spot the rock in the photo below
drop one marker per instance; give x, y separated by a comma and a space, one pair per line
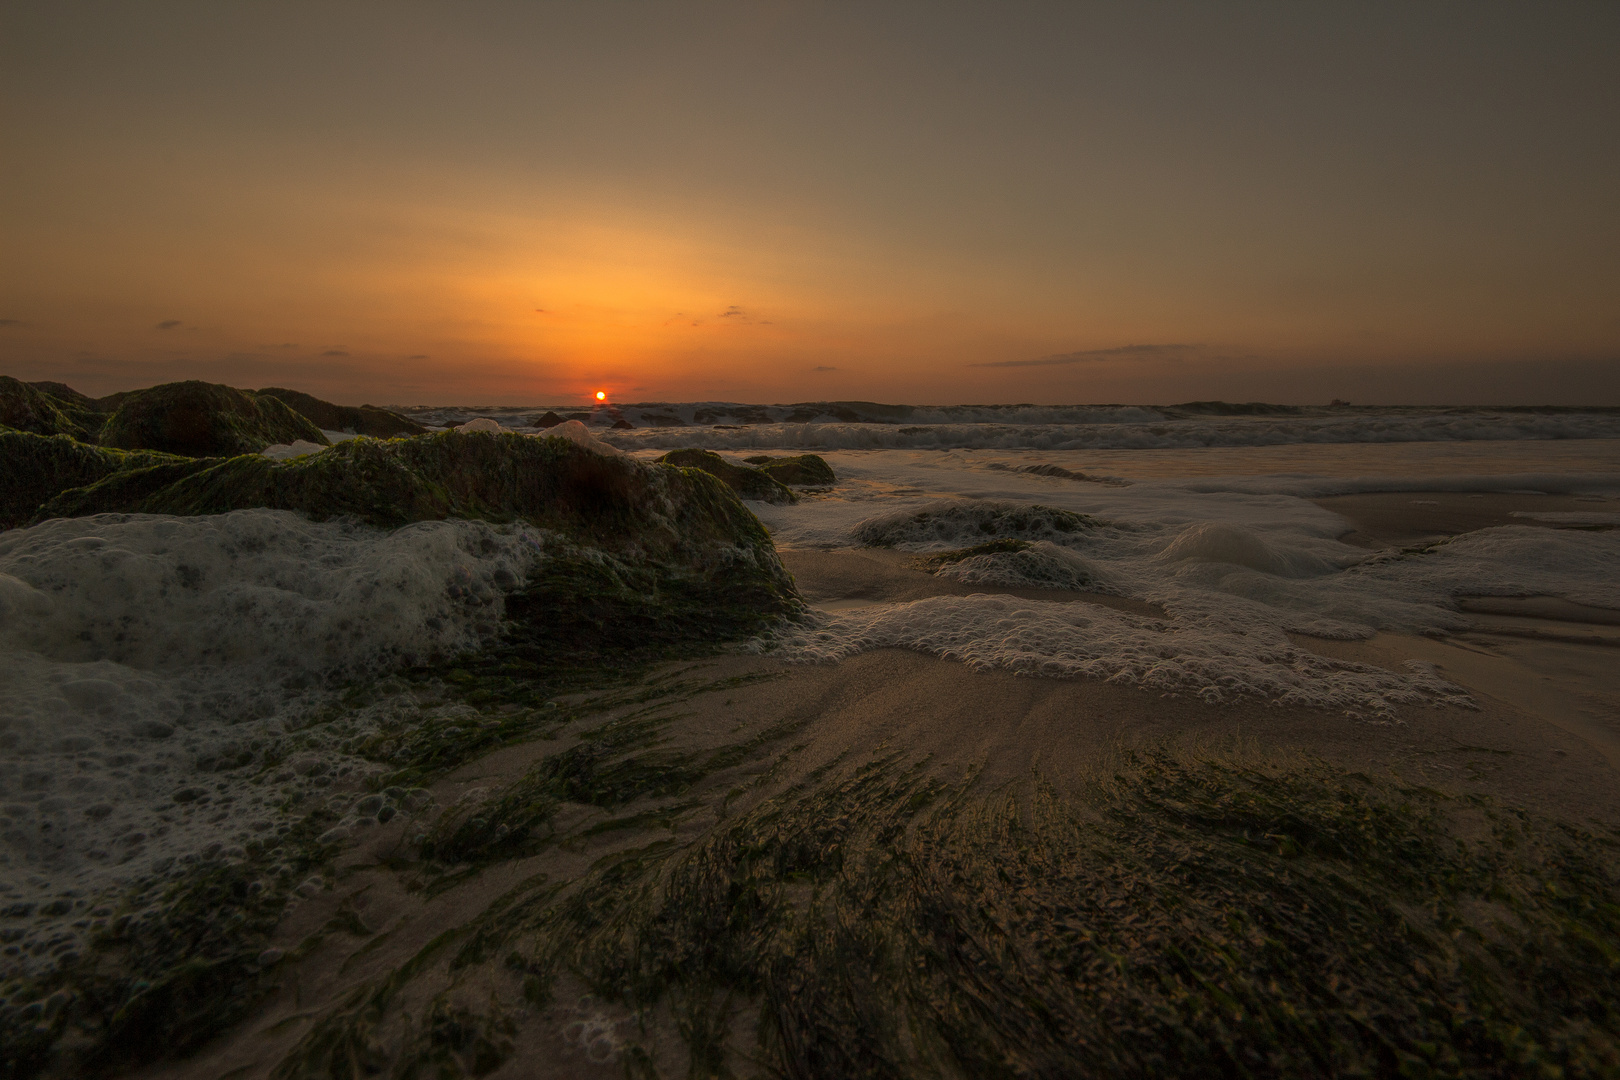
637, 554
549, 420
198, 419
270, 957
361, 420
747, 482
37, 468
621, 424
23, 407
804, 470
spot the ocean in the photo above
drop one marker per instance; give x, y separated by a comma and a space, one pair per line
144, 655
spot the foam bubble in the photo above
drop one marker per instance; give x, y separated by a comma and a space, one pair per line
1071, 640
140, 655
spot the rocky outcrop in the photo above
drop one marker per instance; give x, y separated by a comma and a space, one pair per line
199, 419
802, 470
357, 420
38, 468
25, 407
636, 554
747, 482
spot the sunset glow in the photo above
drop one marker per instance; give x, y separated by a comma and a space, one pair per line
777, 204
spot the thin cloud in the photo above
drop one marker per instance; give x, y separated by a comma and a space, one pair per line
823, 367
167, 324
1091, 356
10, 322
335, 352
417, 356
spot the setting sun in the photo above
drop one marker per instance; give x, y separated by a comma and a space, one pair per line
601, 395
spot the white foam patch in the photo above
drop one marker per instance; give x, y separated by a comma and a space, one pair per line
578, 433
296, 449
1072, 640
138, 651
484, 423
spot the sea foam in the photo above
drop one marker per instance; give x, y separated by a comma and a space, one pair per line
138, 652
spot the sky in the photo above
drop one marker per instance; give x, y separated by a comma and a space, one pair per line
515, 203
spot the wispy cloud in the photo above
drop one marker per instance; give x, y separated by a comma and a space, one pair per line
823, 367
10, 322
335, 352
417, 356
1091, 356
167, 324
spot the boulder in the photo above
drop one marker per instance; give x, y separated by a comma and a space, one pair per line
747, 482
24, 407
358, 420
549, 420
634, 554
38, 468
199, 419
802, 470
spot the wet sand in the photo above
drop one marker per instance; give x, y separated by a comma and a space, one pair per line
1545, 735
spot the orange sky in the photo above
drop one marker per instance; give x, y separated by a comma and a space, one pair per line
773, 202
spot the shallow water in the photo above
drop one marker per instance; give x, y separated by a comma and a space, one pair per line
139, 653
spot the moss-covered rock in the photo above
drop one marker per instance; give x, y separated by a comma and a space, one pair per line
801, 470
359, 420
36, 468
639, 554
24, 407
747, 482
199, 419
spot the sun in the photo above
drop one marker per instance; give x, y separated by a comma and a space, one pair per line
601, 395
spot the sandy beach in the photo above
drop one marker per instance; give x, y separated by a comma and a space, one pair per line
1544, 736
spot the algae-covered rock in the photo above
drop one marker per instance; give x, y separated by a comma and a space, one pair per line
747, 482
199, 419
36, 468
802, 470
360, 420
634, 547
24, 407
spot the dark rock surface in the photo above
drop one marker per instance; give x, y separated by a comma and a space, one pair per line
25, 407
199, 419
358, 420
802, 470
747, 482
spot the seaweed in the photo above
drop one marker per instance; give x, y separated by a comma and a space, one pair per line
748, 483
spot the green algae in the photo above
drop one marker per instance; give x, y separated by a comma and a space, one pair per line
1188, 918
25, 407
992, 520
1001, 546
199, 419
39, 468
748, 483
801, 470
175, 961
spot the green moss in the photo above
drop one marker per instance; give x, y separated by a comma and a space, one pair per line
362, 420
37, 468
179, 962
746, 482
802, 470
199, 419
24, 407
1002, 546
1190, 918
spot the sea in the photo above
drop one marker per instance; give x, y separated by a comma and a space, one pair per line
142, 657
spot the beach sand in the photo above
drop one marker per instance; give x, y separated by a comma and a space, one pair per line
1545, 736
